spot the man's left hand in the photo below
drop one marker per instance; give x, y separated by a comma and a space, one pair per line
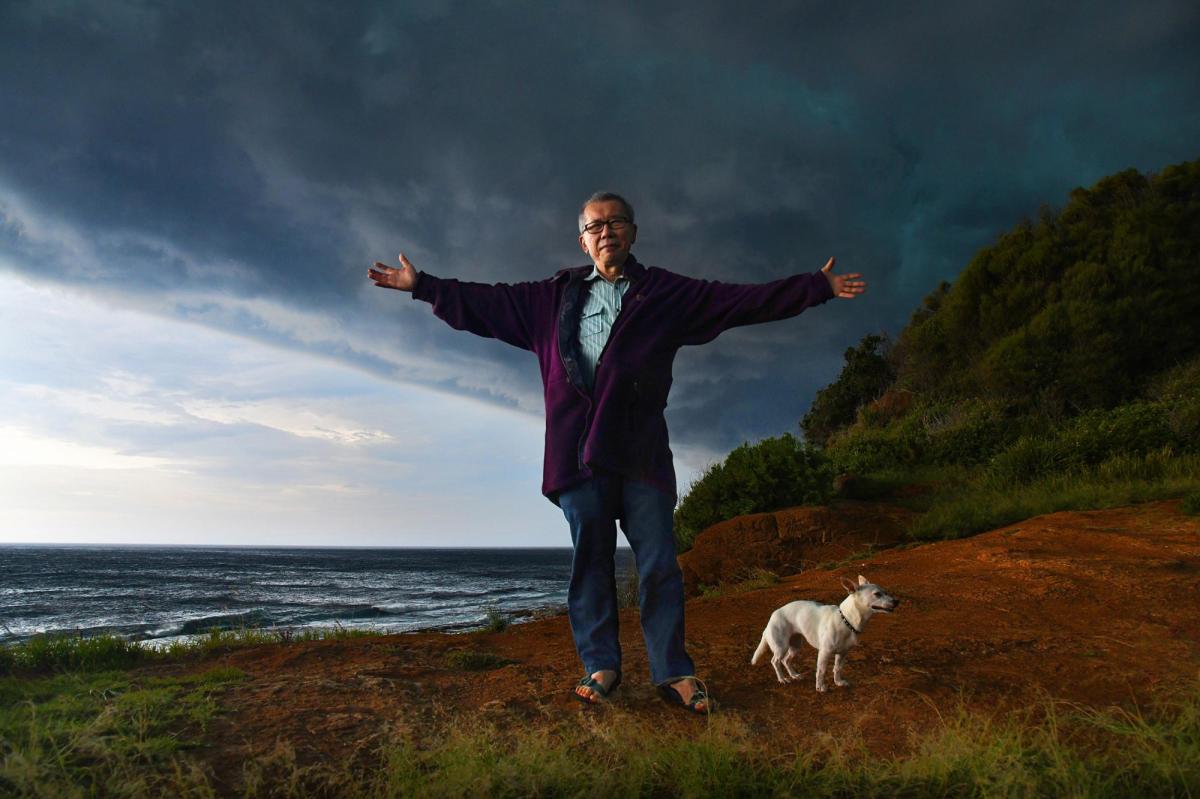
845, 286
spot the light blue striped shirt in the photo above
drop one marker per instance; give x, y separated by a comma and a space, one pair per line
596, 319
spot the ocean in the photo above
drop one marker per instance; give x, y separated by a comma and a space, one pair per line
160, 594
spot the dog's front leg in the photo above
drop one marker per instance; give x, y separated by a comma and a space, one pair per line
822, 667
838, 661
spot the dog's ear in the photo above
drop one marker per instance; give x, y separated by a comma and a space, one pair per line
862, 580
849, 586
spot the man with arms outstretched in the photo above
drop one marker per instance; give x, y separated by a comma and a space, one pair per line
605, 337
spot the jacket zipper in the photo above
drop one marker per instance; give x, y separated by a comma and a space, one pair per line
612, 333
566, 368
599, 359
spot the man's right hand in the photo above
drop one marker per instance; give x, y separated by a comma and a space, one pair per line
388, 277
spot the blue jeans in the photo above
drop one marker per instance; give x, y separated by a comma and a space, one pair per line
592, 509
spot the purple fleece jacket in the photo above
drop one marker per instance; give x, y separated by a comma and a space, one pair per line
619, 426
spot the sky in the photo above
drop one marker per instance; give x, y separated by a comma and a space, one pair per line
191, 194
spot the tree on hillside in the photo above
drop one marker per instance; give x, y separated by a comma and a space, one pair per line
924, 334
865, 375
1080, 308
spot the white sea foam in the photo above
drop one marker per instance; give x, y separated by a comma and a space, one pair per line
166, 594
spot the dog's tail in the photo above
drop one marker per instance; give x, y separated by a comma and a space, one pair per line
763, 648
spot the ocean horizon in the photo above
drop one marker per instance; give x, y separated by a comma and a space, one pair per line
159, 593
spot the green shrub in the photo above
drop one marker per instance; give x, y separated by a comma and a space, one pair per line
1183, 419
1132, 429
494, 619
932, 433
1128, 431
1178, 390
1191, 503
772, 474
984, 502
1027, 459
970, 432
1147, 468
863, 450
1181, 382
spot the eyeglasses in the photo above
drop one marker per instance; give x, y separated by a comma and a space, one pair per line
596, 225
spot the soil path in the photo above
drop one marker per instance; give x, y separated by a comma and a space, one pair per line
1096, 608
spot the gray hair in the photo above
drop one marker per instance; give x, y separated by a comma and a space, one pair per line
603, 197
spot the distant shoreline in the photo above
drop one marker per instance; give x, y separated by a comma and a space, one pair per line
153, 593
516, 616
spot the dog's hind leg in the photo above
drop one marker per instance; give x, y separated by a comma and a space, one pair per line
791, 655
838, 661
779, 653
775, 663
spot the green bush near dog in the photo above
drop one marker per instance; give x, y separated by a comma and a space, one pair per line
772, 474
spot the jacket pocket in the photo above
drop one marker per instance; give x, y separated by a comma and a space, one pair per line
593, 325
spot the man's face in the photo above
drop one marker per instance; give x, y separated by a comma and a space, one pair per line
607, 247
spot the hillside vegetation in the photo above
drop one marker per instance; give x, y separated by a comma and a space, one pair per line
1060, 369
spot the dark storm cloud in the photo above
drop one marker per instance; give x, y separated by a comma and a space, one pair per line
272, 151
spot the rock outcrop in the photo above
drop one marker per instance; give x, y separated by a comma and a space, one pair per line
789, 541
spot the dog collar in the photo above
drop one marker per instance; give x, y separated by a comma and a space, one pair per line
846, 622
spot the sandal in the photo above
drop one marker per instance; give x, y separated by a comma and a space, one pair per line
601, 694
673, 697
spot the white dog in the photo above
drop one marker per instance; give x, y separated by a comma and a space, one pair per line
831, 629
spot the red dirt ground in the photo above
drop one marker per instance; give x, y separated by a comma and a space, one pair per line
1096, 608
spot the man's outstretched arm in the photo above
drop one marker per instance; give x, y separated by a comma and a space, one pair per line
501, 311
708, 308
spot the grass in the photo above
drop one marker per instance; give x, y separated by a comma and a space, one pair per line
109, 734
978, 502
755, 579
1191, 503
118, 733
911, 487
46, 653
106, 733
60, 652
1055, 750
